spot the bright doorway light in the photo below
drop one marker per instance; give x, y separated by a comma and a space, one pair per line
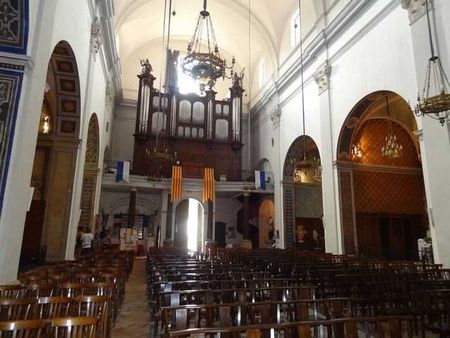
192, 225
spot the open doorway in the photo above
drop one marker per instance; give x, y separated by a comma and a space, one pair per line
189, 225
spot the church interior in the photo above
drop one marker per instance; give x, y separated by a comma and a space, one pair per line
238, 168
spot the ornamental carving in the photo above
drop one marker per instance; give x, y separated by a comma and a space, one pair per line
275, 116
322, 77
109, 95
96, 36
416, 9
92, 143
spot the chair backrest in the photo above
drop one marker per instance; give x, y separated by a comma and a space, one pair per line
16, 308
71, 289
52, 307
93, 306
74, 327
12, 291
21, 328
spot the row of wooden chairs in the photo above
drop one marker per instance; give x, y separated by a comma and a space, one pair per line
182, 289
67, 327
93, 286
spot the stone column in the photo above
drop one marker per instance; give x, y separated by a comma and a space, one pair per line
163, 216
331, 221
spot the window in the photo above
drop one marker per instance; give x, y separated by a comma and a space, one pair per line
186, 84
262, 73
295, 29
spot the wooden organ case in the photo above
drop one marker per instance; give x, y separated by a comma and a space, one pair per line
196, 131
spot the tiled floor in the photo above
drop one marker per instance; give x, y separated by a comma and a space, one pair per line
133, 320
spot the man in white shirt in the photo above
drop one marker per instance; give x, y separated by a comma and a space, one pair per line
86, 241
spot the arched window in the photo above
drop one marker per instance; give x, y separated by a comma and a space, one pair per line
295, 29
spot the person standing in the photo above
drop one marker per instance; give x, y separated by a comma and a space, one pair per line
86, 241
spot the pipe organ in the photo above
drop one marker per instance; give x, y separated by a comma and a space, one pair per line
196, 131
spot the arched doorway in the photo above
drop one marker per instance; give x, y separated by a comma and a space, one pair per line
382, 194
189, 225
266, 217
46, 225
302, 196
90, 175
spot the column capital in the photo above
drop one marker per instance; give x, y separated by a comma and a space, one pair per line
416, 9
96, 36
322, 77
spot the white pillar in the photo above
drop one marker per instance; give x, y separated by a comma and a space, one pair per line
331, 219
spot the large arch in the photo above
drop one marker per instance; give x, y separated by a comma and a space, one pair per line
90, 174
382, 194
47, 222
302, 195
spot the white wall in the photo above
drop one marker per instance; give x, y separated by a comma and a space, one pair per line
122, 134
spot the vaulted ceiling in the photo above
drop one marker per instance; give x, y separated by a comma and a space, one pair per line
139, 31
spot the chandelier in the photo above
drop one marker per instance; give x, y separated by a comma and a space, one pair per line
206, 66
391, 148
435, 100
357, 152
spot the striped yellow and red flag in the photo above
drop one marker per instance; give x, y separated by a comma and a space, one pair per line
177, 183
209, 185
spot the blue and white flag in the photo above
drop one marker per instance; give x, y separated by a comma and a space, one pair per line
260, 179
123, 171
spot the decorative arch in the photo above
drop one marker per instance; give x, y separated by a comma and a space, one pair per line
302, 194
372, 106
382, 198
90, 174
65, 85
47, 223
303, 147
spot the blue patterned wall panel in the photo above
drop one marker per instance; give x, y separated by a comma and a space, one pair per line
10, 88
13, 26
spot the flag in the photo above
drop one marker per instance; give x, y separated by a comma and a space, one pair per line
123, 171
260, 179
209, 185
177, 183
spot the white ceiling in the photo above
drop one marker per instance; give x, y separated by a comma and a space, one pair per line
139, 27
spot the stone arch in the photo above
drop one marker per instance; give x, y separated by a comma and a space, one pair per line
55, 158
302, 194
90, 175
382, 196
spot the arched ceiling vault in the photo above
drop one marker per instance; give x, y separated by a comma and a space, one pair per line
139, 22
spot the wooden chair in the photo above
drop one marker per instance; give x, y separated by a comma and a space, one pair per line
52, 307
22, 328
93, 306
37, 290
16, 308
73, 327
